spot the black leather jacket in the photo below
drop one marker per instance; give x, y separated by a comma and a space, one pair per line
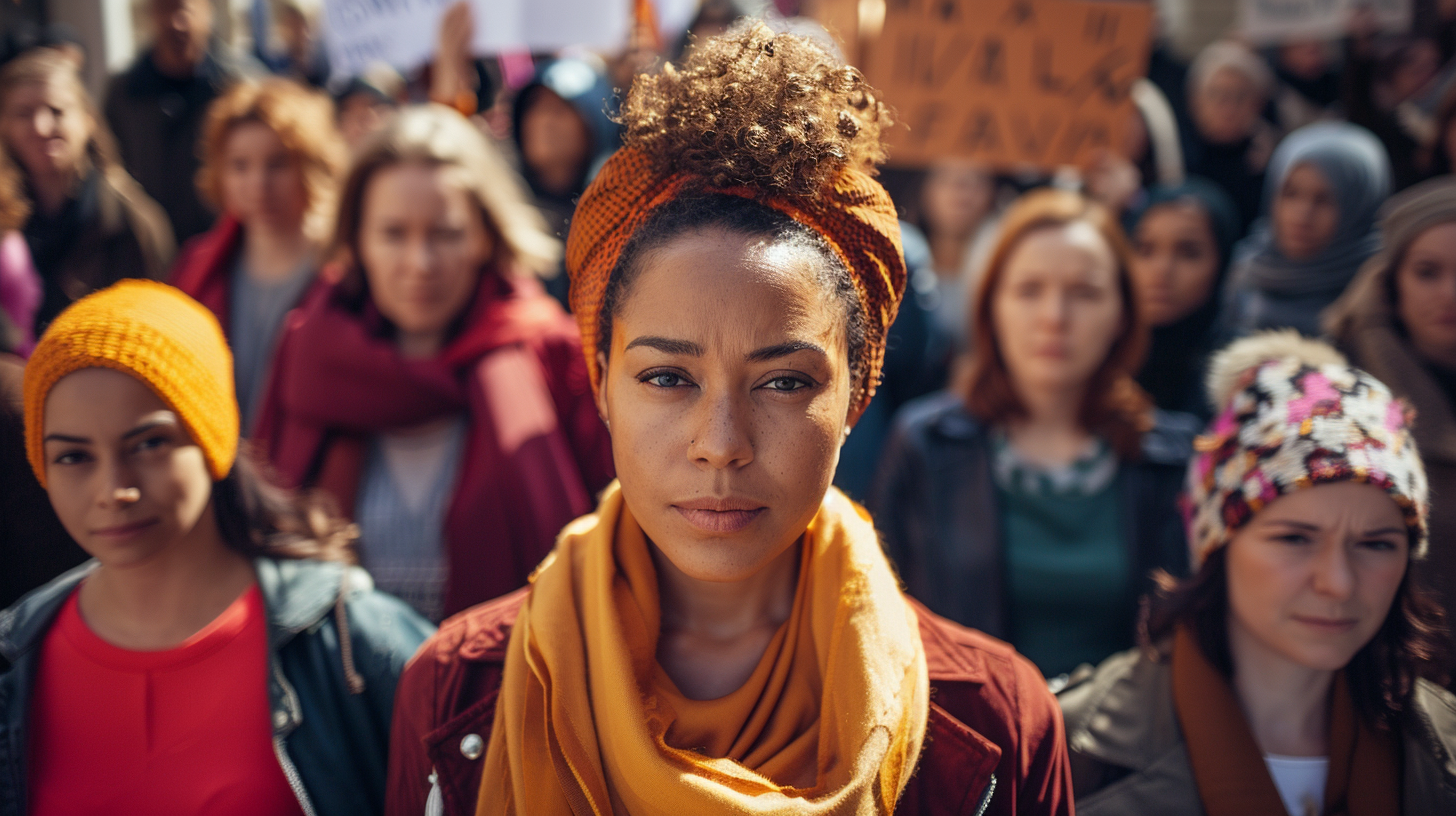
332, 740
935, 505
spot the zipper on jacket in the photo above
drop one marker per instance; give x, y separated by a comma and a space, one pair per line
986, 797
291, 774
290, 771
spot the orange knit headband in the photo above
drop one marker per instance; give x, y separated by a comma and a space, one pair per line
856, 218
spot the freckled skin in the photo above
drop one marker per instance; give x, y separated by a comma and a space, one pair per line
716, 425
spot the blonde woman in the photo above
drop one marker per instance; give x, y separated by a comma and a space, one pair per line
87, 223
436, 391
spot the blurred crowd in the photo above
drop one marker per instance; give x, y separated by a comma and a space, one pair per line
1026, 456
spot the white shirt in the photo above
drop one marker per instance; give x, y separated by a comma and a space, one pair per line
1301, 782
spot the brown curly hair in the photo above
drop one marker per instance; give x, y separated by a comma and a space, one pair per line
758, 109
302, 118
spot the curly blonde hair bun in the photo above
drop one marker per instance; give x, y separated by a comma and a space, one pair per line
759, 109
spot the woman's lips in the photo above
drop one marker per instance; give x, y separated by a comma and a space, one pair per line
1327, 624
123, 531
729, 515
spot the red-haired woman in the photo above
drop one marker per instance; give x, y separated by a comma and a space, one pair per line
1032, 501
271, 159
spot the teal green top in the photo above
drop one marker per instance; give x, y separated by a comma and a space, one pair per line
1068, 570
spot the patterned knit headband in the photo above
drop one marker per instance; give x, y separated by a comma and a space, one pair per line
1294, 414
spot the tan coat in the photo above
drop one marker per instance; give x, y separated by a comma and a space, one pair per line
1128, 754
1363, 325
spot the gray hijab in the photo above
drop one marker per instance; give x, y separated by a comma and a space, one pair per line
1357, 169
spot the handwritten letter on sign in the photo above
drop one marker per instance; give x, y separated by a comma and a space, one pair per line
1010, 82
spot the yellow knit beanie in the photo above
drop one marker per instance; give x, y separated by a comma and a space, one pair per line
158, 335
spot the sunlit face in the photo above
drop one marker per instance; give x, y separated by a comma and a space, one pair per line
1057, 308
262, 182
1306, 213
45, 126
1174, 263
957, 197
124, 476
1226, 107
1425, 285
423, 244
727, 394
1312, 576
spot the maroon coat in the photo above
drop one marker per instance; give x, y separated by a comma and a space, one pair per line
990, 713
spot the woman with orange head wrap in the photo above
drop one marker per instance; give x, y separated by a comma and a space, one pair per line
723, 635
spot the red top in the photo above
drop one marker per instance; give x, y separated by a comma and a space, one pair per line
178, 731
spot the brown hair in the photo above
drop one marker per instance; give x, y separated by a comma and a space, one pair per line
1114, 406
437, 136
259, 519
1412, 643
38, 66
304, 122
789, 123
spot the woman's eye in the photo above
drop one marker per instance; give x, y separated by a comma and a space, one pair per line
785, 384
665, 379
1293, 538
71, 458
151, 443
1380, 544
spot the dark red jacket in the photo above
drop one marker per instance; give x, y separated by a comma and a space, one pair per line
990, 713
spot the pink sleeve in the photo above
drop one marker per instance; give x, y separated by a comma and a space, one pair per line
20, 288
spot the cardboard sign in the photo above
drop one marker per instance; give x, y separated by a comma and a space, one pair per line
402, 33
1008, 82
1272, 21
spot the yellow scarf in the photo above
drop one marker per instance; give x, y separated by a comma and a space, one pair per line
587, 723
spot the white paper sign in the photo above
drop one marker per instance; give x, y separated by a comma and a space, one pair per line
402, 33
1272, 21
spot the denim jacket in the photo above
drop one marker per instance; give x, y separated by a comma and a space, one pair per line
331, 706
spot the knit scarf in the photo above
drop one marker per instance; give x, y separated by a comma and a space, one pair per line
830, 722
1364, 774
337, 382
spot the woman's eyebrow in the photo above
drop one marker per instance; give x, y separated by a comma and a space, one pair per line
70, 440
667, 345
148, 426
782, 350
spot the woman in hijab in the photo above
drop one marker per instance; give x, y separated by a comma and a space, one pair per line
1326, 183
724, 634
1398, 321
1181, 243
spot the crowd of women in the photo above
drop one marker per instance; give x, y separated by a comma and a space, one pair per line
460, 468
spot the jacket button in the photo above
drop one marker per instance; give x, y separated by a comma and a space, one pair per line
472, 746
280, 719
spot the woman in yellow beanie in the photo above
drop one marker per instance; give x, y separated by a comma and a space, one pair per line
220, 653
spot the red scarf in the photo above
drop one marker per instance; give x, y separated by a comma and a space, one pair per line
203, 267
535, 453
1229, 768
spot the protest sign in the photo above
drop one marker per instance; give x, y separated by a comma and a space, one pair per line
1272, 21
402, 33
1009, 82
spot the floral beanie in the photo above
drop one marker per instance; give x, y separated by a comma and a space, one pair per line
1292, 413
